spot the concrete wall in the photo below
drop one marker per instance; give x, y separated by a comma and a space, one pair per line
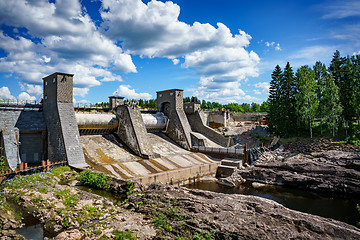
217, 119
16, 126
132, 130
31, 147
198, 125
247, 117
180, 176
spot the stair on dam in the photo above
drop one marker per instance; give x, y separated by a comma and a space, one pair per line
106, 154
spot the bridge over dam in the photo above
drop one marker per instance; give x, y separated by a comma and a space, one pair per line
120, 141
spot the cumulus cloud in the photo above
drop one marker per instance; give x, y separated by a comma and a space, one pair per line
62, 37
263, 88
24, 96
154, 30
175, 61
32, 89
81, 91
127, 92
5, 94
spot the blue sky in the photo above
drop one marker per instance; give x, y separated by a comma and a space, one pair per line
216, 50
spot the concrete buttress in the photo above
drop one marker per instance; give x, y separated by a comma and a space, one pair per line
132, 130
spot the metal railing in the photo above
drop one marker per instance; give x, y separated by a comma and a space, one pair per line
19, 102
46, 165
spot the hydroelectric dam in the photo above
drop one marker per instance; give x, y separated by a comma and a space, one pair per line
121, 141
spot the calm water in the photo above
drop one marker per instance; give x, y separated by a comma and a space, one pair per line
330, 206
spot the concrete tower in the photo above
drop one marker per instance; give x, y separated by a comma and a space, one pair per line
63, 133
170, 102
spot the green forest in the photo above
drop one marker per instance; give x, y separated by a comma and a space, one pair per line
317, 100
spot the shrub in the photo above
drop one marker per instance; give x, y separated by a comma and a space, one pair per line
93, 179
129, 188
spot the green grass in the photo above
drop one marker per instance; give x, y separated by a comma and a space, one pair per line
70, 201
161, 220
59, 170
123, 235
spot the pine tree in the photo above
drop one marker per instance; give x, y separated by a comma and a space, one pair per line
332, 107
287, 91
274, 100
306, 98
356, 65
347, 90
335, 67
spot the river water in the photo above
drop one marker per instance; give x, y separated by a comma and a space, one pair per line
337, 207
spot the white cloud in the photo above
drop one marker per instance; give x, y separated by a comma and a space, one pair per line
127, 92
24, 96
264, 88
309, 55
341, 9
154, 30
83, 101
226, 93
274, 45
32, 89
175, 61
5, 94
356, 53
81, 91
278, 48
67, 41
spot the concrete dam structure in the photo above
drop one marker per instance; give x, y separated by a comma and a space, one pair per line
122, 141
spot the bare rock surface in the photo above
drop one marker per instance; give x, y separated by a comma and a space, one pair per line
321, 166
234, 216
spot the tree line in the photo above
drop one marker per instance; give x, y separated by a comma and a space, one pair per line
234, 107
329, 97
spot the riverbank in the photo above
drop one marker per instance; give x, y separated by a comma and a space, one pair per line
318, 165
159, 211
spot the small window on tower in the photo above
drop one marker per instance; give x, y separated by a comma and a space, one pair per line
54, 80
63, 79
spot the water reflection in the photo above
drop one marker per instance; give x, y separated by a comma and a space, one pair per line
34, 232
326, 205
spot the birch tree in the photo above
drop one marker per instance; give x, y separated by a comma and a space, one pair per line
332, 105
306, 98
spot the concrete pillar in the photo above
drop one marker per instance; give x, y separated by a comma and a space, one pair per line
132, 130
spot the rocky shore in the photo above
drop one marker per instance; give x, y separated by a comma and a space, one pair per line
317, 165
159, 211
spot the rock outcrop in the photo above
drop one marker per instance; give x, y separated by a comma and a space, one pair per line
322, 167
234, 216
